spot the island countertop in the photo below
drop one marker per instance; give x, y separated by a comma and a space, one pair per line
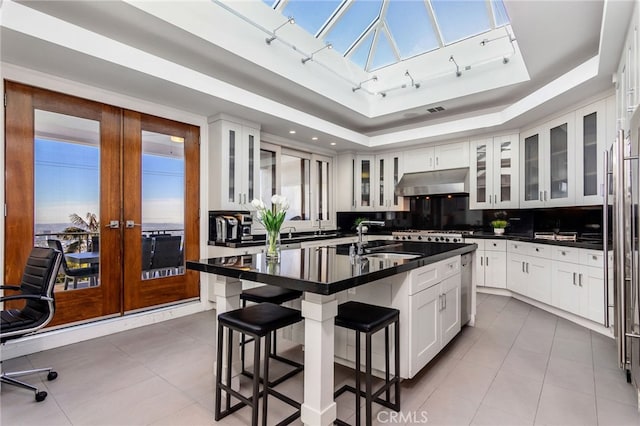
330, 269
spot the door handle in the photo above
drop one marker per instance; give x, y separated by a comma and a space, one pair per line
130, 224
444, 302
113, 224
481, 257
540, 197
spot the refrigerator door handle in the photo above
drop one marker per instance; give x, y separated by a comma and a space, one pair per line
605, 233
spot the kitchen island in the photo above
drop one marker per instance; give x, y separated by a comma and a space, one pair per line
324, 272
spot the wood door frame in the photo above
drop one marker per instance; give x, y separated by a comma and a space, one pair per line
108, 299
139, 293
22, 101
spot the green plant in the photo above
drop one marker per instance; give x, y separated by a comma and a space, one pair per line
499, 223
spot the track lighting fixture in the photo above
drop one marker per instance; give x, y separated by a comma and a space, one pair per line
359, 86
458, 72
310, 57
413, 83
289, 20
383, 94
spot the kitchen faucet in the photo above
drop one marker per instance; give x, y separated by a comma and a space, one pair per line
291, 229
359, 228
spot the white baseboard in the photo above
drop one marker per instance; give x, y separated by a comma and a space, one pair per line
558, 312
78, 333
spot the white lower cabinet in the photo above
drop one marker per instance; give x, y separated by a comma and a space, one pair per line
434, 317
529, 270
490, 263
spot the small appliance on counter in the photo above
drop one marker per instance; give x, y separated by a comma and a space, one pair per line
229, 226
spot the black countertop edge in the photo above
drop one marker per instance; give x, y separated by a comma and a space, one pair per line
577, 244
298, 238
204, 265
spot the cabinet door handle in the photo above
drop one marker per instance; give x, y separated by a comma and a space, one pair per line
527, 267
481, 260
545, 195
444, 301
580, 280
523, 267
495, 199
540, 197
574, 278
487, 261
436, 161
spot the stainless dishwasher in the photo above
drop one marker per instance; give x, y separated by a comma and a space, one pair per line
466, 263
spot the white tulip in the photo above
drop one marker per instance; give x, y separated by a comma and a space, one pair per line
256, 203
262, 206
285, 205
275, 199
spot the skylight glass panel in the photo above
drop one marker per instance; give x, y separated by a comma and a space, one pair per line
270, 3
310, 14
383, 54
360, 55
352, 24
460, 19
411, 28
500, 13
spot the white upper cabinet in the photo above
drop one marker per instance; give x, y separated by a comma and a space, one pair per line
364, 181
494, 173
547, 164
591, 127
438, 157
235, 160
388, 173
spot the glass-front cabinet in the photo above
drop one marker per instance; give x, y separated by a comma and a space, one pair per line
364, 180
388, 174
235, 157
494, 173
590, 145
547, 162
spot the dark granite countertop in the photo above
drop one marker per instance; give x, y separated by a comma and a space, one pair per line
300, 237
329, 269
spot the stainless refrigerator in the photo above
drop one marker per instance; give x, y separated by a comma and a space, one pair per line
625, 173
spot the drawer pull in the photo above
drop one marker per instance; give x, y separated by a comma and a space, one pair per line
495, 245
594, 257
564, 253
537, 249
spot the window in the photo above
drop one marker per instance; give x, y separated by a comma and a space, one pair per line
295, 185
304, 178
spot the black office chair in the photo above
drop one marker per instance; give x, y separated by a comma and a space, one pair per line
36, 288
167, 255
147, 251
72, 275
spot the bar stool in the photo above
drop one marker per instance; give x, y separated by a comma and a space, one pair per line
257, 321
369, 319
276, 295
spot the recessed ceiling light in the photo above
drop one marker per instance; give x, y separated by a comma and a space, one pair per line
292, 132
315, 138
333, 144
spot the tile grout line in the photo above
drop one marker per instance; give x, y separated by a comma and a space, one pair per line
553, 339
499, 368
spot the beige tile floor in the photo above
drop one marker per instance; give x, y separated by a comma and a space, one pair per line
518, 366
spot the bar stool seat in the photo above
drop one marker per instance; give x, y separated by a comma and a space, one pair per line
257, 321
276, 295
369, 319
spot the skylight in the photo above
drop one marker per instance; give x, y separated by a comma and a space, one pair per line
377, 33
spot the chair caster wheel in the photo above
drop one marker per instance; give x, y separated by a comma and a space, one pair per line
40, 396
52, 376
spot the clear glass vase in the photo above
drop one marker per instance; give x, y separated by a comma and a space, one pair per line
272, 249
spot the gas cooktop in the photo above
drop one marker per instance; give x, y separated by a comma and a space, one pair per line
438, 236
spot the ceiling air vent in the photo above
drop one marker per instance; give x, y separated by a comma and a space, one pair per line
435, 109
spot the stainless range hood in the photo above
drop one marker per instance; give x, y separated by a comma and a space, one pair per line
441, 182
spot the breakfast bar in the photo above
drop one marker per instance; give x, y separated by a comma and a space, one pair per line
321, 273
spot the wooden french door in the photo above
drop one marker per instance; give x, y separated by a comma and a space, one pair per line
75, 171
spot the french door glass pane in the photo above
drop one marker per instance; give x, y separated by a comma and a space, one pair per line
162, 205
559, 162
67, 194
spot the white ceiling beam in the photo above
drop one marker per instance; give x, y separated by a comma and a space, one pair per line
434, 22
374, 46
334, 18
392, 41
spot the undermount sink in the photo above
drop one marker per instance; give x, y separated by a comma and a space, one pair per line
391, 255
